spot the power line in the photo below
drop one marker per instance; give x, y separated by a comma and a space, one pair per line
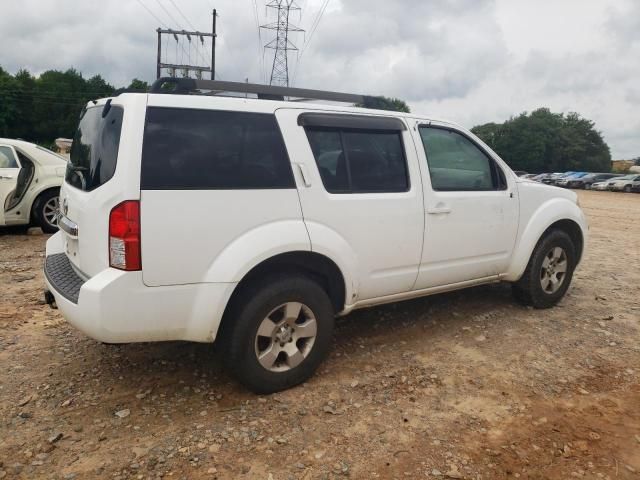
183, 15
152, 14
177, 24
314, 26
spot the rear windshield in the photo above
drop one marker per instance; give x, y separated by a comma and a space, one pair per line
94, 151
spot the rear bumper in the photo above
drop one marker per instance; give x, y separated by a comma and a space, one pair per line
116, 307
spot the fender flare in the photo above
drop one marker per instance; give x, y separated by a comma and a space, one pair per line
552, 211
241, 255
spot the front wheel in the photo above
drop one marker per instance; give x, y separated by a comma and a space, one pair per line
278, 332
627, 189
45, 211
549, 272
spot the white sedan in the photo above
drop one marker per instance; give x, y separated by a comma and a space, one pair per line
30, 180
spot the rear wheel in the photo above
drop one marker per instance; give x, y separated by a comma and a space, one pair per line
277, 333
627, 189
45, 211
549, 272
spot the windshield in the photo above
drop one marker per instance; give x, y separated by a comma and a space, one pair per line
94, 151
626, 177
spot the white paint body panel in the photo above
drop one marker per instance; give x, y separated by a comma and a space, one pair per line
197, 245
48, 173
381, 232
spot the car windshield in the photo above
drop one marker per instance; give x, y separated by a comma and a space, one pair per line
627, 177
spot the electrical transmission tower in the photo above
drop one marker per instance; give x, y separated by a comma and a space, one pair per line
282, 44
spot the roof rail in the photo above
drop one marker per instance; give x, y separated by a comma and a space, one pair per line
188, 86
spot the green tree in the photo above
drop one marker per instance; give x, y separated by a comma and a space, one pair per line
138, 85
543, 141
385, 103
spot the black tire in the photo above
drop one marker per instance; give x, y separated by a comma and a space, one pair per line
39, 211
250, 308
587, 186
627, 189
529, 290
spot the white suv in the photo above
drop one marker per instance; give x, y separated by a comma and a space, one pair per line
255, 221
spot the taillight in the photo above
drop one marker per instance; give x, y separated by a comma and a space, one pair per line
124, 236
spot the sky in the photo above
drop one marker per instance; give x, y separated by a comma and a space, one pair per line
468, 61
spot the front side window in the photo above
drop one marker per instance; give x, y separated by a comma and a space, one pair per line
188, 149
94, 151
457, 164
7, 158
359, 161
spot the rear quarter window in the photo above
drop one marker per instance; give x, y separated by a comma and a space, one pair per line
188, 149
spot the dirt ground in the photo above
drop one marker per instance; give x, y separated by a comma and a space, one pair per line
463, 385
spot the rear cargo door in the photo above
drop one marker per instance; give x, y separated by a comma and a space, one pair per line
103, 170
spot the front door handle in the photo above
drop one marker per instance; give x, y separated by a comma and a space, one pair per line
440, 209
6, 177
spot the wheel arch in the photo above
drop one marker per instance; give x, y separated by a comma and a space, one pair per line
37, 196
318, 266
556, 214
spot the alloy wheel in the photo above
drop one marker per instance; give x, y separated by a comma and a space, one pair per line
554, 270
285, 337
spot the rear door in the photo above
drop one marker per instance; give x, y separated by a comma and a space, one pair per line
9, 169
471, 209
362, 198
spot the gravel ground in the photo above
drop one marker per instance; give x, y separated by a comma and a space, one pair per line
462, 385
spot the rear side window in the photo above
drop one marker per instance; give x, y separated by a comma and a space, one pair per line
94, 151
359, 161
188, 149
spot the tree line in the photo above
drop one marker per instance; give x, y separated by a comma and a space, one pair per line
543, 141
44, 107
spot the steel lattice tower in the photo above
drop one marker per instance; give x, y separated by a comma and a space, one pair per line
281, 44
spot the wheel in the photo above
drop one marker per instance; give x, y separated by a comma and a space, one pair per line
627, 189
45, 211
277, 333
587, 186
549, 272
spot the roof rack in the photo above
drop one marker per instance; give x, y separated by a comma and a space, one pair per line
182, 86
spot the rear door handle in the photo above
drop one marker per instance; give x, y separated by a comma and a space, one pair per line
438, 210
305, 175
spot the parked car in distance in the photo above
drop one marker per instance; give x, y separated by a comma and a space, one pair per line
530, 176
603, 185
30, 180
554, 177
586, 181
566, 179
624, 184
253, 223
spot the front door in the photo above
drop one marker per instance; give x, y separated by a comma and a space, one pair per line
362, 195
9, 169
471, 210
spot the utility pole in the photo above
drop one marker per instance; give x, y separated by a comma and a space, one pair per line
213, 46
281, 44
191, 65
